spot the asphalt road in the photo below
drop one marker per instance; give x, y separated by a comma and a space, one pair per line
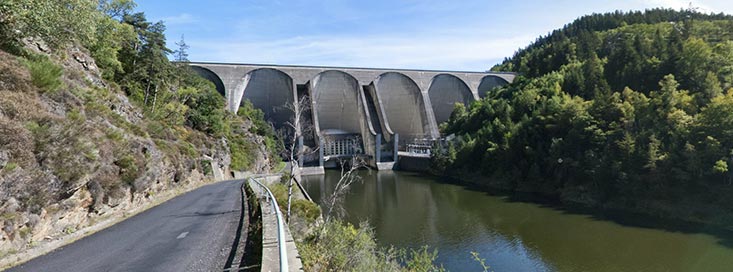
192, 232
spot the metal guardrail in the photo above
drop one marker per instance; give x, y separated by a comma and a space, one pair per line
280, 228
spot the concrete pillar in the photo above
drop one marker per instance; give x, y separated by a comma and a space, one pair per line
235, 96
432, 124
300, 151
377, 147
320, 152
396, 146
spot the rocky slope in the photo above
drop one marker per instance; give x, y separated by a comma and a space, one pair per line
79, 154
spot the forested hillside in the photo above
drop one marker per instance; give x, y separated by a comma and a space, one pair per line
629, 111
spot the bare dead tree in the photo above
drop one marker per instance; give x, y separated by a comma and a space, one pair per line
296, 153
347, 178
299, 108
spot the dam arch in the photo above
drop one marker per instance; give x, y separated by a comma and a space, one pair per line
445, 91
404, 105
271, 91
210, 76
488, 83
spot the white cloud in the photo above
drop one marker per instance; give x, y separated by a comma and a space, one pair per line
675, 4
474, 44
180, 19
476, 53
707, 6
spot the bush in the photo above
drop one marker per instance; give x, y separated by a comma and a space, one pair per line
206, 168
262, 128
280, 191
45, 74
259, 125
242, 152
10, 166
343, 247
306, 209
206, 112
56, 22
64, 147
421, 260
129, 169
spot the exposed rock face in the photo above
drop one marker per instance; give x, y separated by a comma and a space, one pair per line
68, 161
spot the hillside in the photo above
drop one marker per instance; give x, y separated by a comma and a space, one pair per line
629, 111
95, 122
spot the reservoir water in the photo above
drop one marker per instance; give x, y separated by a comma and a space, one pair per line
409, 210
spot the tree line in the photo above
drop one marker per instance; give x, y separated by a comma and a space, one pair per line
623, 110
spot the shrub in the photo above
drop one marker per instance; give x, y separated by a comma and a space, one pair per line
340, 246
242, 152
257, 116
45, 74
421, 260
24, 232
206, 110
8, 215
343, 247
261, 127
280, 191
38, 196
299, 207
56, 22
189, 149
160, 130
306, 209
206, 168
10, 166
129, 170
114, 135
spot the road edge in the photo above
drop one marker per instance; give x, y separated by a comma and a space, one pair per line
21, 257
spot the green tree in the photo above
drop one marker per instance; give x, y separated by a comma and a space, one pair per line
181, 54
56, 22
721, 166
693, 64
110, 37
660, 130
724, 60
710, 88
594, 81
116, 9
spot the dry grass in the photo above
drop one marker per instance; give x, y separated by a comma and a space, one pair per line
18, 141
21, 106
13, 75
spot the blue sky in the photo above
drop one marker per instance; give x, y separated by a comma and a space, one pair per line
419, 34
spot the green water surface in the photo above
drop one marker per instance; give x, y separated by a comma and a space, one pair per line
411, 210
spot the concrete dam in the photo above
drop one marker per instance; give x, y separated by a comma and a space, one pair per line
380, 114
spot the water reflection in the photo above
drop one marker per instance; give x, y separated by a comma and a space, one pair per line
410, 210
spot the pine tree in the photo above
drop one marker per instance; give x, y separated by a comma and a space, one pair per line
181, 54
595, 83
710, 89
